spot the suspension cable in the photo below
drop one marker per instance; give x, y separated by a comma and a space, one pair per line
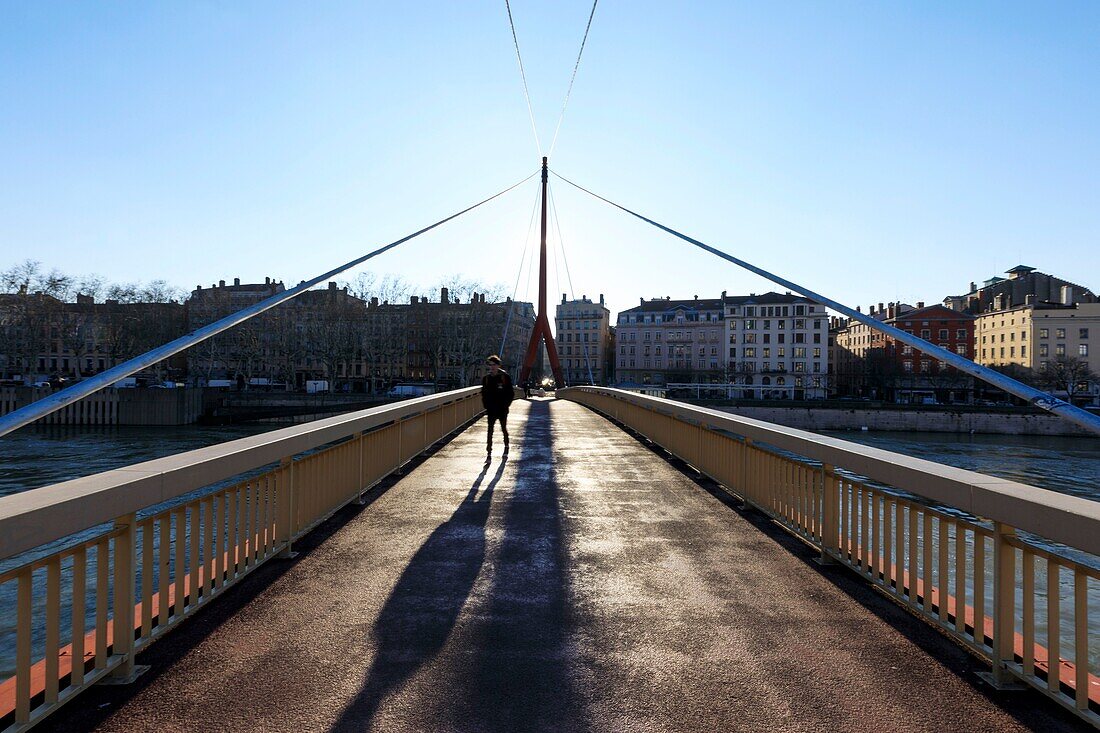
569, 277
1033, 396
573, 78
519, 274
24, 415
523, 77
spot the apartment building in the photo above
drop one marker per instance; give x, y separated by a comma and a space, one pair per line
663, 340
1037, 336
583, 339
777, 346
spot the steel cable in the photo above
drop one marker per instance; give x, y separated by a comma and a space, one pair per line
1033, 396
523, 77
24, 415
572, 78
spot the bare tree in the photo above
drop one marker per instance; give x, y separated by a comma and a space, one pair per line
1067, 374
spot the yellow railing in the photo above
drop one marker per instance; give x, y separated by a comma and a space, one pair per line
97, 568
1010, 570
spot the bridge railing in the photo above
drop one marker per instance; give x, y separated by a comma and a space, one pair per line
93, 570
1009, 570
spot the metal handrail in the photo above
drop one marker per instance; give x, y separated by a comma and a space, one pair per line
1070, 520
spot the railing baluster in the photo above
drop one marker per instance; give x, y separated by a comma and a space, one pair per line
1054, 626
1029, 613
102, 567
1081, 637
960, 577
193, 553
80, 580
164, 567
943, 537
926, 561
23, 612
180, 517
146, 578
1004, 600
53, 626
887, 541
899, 547
914, 554
979, 588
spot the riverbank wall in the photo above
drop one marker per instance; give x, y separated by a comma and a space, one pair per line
129, 406
816, 419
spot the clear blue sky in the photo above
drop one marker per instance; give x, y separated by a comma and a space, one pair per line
873, 151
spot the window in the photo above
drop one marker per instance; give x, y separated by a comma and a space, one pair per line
1082, 333
1060, 333
943, 334
750, 353
817, 353
750, 324
926, 333
1083, 350
1044, 349
799, 352
961, 349
961, 333
907, 349
1060, 350
1023, 350
925, 366
1044, 333
907, 366
798, 366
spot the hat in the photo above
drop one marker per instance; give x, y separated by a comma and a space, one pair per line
494, 359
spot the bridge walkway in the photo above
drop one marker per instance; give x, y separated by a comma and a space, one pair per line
585, 583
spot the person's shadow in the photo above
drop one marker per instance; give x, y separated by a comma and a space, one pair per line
418, 616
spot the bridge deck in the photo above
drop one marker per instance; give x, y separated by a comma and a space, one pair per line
583, 584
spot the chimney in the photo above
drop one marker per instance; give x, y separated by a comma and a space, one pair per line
331, 286
890, 311
198, 287
920, 304
601, 298
374, 302
267, 281
221, 283
444, 295
973, 286
697, 297
1030, 299
563, 297
723, 295
413, 299
880, 308
859, 309
641, 301
236, 281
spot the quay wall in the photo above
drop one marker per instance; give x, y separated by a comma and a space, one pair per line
130, 406
909, 420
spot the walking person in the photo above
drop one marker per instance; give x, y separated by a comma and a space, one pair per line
496, 397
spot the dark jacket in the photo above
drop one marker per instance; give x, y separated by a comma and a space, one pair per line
496, 393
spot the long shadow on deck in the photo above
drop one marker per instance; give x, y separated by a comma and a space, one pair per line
424, 605
511, 672
522, 677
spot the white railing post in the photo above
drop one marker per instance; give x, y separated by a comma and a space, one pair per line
830, 515
284, 530
125, 583
1004, 603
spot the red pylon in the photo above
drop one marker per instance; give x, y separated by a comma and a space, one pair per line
542, 322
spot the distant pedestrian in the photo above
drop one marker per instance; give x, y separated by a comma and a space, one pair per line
496, 397
527, 390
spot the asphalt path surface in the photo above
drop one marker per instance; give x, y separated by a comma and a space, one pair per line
583, 582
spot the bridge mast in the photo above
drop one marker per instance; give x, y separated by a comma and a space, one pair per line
542, 322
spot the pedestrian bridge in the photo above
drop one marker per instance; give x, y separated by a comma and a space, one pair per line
693, 571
